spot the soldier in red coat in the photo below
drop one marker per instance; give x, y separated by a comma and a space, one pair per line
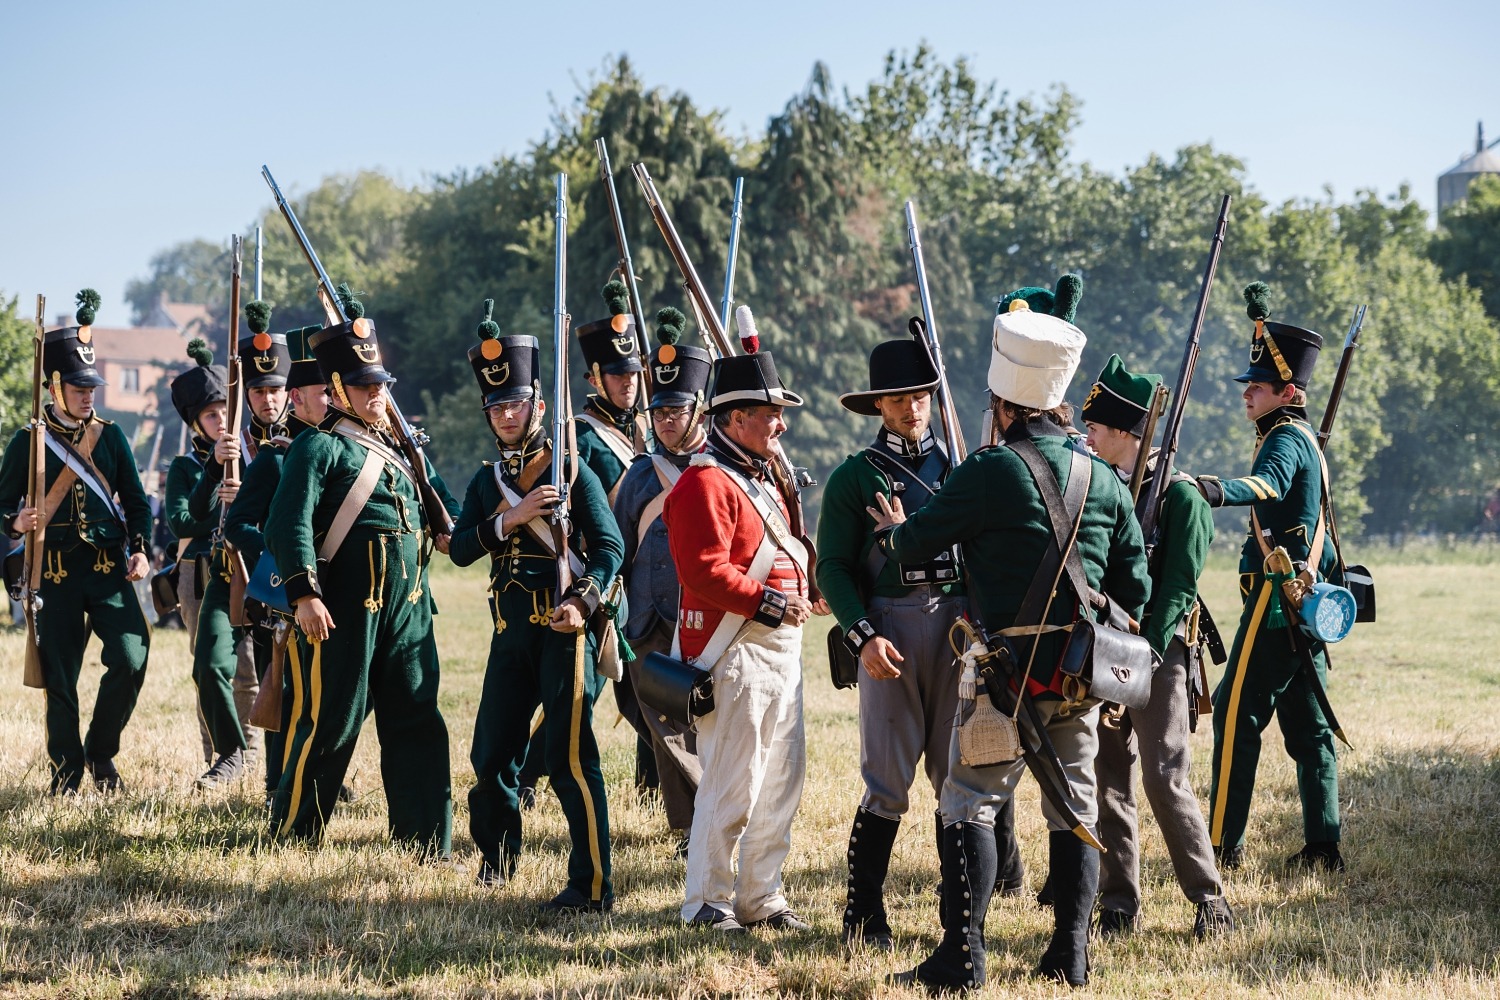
745, 598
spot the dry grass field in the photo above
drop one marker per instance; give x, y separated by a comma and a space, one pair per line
165, 893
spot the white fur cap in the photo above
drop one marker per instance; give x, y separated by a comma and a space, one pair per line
1034, 357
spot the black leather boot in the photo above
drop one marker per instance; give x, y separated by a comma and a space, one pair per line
1010, 877
1075, 884
968, 879
870, 842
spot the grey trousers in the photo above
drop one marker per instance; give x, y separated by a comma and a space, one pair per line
246, 680
676, 746
973, 795
1158, 739
913, 715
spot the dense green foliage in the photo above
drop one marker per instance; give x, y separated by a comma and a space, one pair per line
824, 263
17, 334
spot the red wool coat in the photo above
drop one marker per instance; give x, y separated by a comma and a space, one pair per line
714, 531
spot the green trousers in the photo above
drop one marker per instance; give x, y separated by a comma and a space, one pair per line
1263, 676
215, 661
532, 665
84, 590
381, 656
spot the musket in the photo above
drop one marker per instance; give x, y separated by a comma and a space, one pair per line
714, 330
1325, 430
1148, 434
560, 421
726, 304
153, 474
411, 440
239, 576
789, 479
1151, 509
625, 267
36, 489
925, 333
257, 262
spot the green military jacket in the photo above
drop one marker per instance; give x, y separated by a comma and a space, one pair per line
247, 515
607, 466
190, 503
846, 537
1285, 489
317, 473
1184, 533
83, 516
519, 558
991, 507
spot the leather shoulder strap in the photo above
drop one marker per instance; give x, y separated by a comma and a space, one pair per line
1064, 512
354, 501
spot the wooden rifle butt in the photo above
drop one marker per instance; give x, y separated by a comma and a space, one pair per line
266, 712
239, 579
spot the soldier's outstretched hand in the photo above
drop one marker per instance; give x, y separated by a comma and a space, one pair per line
880, 657
887, 513
313, 618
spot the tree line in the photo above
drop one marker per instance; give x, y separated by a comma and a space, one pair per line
824, 263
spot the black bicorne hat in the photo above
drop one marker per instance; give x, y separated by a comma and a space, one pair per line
68, 351
610, 344
748, 379
201, 385
264, 359
1279, 352
304, 370
897, 367
349, 352
679, 374
506, 368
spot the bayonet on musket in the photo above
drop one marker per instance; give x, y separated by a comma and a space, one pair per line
411, 440
726, 304
625, 266
926, 334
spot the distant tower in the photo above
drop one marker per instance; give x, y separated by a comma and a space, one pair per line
1453, 186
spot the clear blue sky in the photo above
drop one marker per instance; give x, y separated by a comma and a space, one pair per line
130, 126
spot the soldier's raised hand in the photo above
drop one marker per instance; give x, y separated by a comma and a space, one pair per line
880, 657
538, 503
226, 449
887, 513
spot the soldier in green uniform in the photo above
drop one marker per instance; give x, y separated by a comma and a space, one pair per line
197, 491
247, 515
1284, 491
992, 506
98, 521
679, 408
1157, 736
611, 434
542, 653
348, 532
897, 616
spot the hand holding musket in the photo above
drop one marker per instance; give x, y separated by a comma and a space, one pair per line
410, 440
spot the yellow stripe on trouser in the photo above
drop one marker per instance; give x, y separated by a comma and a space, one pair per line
316, 698
1231, 716
296, 713
580, 663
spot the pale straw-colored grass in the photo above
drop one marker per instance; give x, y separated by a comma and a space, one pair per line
167, 893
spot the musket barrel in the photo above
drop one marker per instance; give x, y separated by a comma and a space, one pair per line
627, 267
703, 308
1346, 359
947, 412
560, 343
735, 214
326, 290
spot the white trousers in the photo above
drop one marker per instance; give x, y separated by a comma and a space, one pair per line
754, 759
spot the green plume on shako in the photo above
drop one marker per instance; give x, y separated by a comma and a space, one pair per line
670, 323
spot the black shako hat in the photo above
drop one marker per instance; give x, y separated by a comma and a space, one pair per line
897, 367
748, 379
68, 351
507, 368
679, 374
348, 353
1279, 352
304, 370
609, 345
201, 385
264, 359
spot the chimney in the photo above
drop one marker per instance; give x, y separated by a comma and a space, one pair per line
63, 319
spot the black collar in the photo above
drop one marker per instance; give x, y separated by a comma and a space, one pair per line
901, 447
513, 460
1038, 426
726, 451
624, 420
1265, 422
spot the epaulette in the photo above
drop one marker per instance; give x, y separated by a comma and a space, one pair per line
703, 459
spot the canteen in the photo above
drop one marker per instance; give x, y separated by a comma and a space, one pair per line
1328, 612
